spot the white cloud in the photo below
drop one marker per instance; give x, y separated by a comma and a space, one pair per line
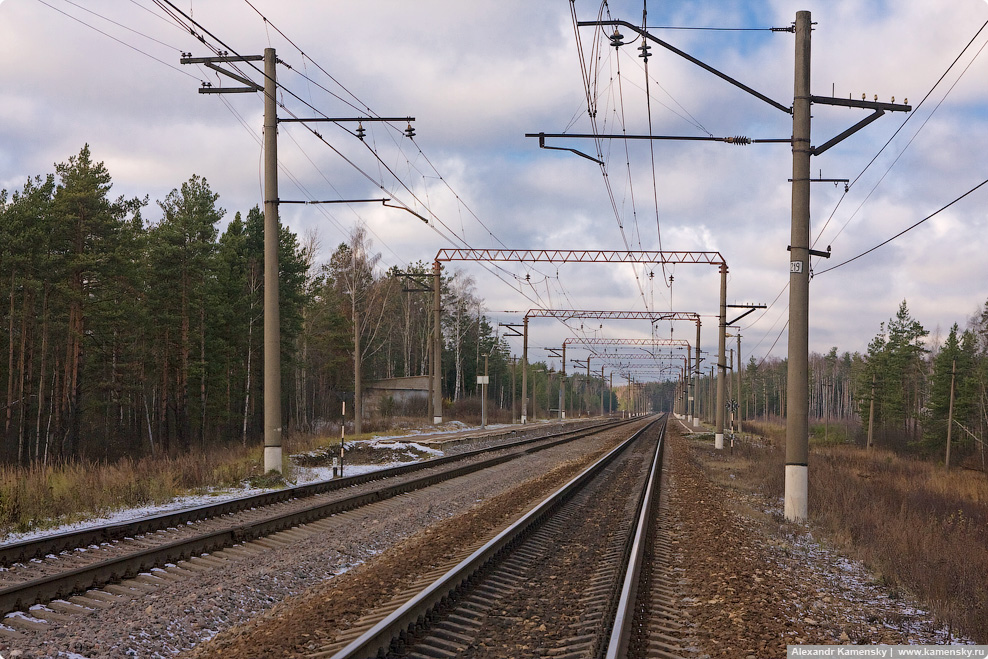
477, 76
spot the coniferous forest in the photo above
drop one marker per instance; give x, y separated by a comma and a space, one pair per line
130, 327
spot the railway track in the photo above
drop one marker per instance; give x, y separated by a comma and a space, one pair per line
74, 565
574, 577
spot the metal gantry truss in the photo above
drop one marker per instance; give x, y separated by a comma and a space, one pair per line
651, 316
580, 256
693, 362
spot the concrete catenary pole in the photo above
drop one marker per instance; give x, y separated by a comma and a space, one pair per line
524, 373
696, 378
483, 396
514, 364
795, 502
629, 394
687, 378
358, 387
739, 383
721, 360
437, 344
602, 390
562, 386
587, 390
272, 315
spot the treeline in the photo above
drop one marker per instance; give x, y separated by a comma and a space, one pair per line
833, 388
900, 386
912, 384
122, 334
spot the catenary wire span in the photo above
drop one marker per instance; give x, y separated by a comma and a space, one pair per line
358, 105
450, 235
907, 229
119, 41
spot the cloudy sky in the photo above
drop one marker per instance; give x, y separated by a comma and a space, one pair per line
479, 75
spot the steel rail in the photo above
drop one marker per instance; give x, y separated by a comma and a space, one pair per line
25, 550
624, 613
378, 640
44, 589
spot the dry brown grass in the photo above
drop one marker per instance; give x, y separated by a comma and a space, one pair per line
42, 497
923, 530
771, 431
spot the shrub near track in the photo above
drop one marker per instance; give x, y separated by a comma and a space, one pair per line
923, 530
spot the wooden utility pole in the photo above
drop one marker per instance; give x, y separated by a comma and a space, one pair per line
950, 413
871, 414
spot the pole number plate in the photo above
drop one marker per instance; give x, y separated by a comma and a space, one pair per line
795, 266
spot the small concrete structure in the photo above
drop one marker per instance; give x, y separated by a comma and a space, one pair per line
396, 396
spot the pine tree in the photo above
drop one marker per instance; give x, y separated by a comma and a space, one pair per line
88, 232
184, 245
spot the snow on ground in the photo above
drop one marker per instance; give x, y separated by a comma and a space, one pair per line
303, 476
414, 452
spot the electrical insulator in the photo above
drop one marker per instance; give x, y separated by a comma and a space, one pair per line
643, 51
740, 140
617, 39
409, 132
361, 132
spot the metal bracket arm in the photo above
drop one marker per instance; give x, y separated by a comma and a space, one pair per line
670, 47
815, 151
512, 329
812, 252
561, 148
230, 74
866, 105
